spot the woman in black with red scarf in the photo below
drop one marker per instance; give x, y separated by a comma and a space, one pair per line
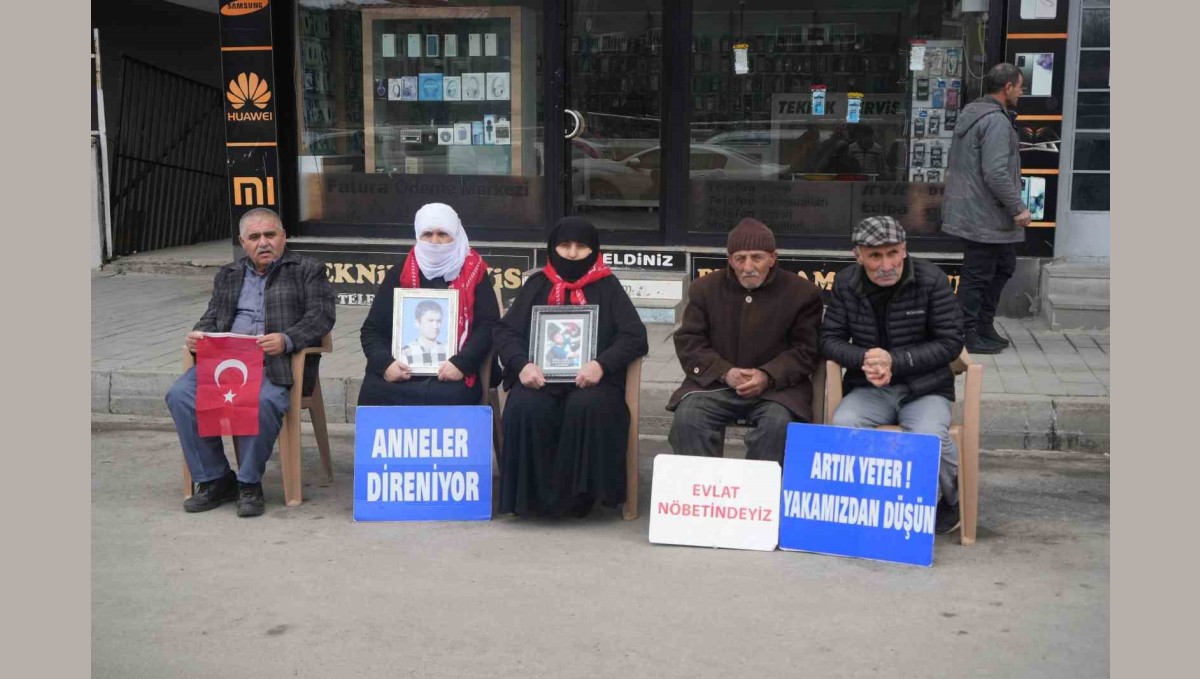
564, 443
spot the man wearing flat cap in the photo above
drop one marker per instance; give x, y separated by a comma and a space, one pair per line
748, 347
895, 326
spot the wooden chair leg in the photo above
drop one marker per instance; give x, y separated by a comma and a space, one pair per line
490, 401
317, 411
497, 428
968, 487
631, 471
187, 480
289, 458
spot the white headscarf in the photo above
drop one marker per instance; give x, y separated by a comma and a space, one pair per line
444, 260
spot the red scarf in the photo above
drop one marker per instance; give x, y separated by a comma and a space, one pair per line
473, 269
558, 292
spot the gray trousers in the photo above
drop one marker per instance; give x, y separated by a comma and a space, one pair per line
930, 414
205, 455
701, 417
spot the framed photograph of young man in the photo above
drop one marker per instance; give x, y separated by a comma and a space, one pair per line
563, 339
424, 328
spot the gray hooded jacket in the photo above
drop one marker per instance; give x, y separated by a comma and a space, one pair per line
983, 180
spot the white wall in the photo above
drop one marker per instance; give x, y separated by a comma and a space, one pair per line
97, 223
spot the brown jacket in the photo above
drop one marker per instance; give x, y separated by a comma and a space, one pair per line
772, 328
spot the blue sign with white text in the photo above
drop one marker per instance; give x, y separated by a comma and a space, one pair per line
859, 492
423, 463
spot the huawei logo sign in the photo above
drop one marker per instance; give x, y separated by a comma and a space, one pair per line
248, 88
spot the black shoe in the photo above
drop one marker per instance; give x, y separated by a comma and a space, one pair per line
250, 499
582, 506
948, 518
212, 494
989, 331
978, 344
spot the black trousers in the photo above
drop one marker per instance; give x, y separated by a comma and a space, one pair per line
701, 417
985, 271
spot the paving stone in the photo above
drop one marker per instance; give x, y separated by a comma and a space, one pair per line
1050, 347
1007, 359
1016, 382
1085, 389
1048, 335
1066, 362
992, 383
1094, 358
101, 382
1101, 375
1048, 384
1033, 359
1021, 336
1081, 341
1077, 377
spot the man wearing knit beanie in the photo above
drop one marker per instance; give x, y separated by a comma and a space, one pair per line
748, 347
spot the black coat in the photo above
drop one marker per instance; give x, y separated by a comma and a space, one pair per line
924, 327
621, 335
376, 334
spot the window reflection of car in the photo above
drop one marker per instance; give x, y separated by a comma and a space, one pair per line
638, 177
755, 144
333, 142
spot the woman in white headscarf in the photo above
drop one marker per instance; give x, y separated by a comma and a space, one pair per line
442, 258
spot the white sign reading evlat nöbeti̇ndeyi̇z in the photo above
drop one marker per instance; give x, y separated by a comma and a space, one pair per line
423, 463
860, 493
715, 502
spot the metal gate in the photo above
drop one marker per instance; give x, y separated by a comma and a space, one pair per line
168, 177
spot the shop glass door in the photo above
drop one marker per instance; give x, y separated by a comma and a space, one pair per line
613, 61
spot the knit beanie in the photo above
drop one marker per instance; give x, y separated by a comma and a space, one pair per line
750, 234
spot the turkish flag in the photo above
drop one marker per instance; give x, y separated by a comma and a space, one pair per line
229, 374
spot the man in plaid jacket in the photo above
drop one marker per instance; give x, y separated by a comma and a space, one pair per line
286, 300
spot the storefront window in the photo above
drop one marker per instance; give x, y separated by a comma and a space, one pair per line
829, 118
406, 103
1090, 174
614, 61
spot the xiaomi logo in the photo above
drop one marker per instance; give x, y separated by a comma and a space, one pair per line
249, 90
251, 191
239, 7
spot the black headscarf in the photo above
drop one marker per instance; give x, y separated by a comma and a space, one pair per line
573, 229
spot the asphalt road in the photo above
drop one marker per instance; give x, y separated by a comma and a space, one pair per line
307, 592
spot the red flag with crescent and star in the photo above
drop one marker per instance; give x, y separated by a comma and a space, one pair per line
229, 373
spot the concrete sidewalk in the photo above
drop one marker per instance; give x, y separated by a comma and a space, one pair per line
1049, 391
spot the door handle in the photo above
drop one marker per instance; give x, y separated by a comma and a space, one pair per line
579, 125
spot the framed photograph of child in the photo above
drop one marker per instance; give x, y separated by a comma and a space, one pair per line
424, 328
563, 339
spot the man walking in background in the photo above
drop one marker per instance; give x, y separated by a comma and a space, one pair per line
983, 205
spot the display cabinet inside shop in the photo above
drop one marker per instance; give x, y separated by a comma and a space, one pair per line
449, 90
